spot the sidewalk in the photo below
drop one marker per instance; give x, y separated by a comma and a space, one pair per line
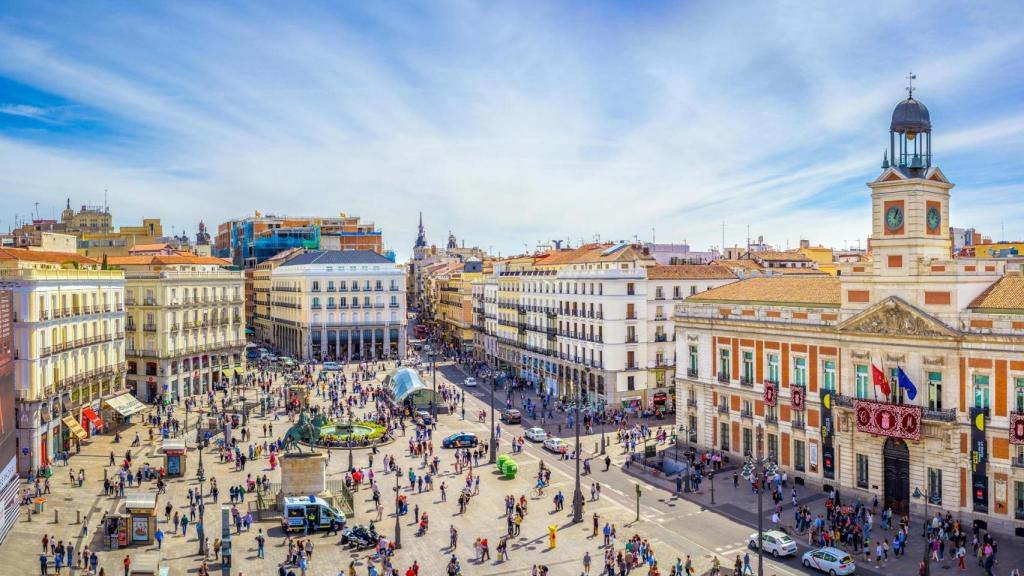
740, 504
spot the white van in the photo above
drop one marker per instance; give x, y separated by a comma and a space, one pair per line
297, 509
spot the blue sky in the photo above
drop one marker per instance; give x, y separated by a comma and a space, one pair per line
507, 123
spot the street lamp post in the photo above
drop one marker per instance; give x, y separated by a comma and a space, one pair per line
433, 369
493, 441
577, 496
757, 467
927, 541
398, 524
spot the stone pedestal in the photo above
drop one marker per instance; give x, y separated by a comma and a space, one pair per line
303, 475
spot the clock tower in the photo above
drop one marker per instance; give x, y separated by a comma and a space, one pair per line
910, 198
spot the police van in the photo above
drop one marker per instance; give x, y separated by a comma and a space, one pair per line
299, 510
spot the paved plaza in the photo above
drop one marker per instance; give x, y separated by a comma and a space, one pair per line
674, 526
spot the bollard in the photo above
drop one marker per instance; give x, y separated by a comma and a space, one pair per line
29, 519
78, 516
56, 516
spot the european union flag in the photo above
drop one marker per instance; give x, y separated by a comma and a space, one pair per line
904, 382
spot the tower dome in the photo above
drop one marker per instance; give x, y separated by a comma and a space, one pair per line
910, 116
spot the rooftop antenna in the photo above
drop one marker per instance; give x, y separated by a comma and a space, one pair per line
723, 236
653, 236
37, 209
910, 85
106, 205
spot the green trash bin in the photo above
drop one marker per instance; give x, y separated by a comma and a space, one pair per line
502, 459
510, 469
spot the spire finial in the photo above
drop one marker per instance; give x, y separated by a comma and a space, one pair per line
885, 160
910, 84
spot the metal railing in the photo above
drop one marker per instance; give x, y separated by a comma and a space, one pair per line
723, 377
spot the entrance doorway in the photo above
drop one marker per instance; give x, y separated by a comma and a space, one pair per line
897, 475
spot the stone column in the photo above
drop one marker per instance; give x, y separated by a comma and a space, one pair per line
348, 353
373, 343
387, 339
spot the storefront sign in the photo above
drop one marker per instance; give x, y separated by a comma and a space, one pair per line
979, 461
771, 394
884, 419
1017, 428
828, 465
797, 397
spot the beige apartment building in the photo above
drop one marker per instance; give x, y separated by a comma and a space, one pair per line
185, 324
339, 304
261, 274
68, 340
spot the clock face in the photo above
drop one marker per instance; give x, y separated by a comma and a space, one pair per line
934, 218
894, 218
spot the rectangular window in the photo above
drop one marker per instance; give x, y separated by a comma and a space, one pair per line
748, 366
895, 391
935, 391
935, 486
1018, 394
773, 368
630, 383
723, 364
800, 371
330, 285
748, 441
863, 381
693, 290
981, 391
828, 373
1018, 491
316, 286
799, 456
773, 448
723, 436
693, 361
675, 292
862, 471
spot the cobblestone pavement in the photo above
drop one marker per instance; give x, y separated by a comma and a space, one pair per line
74, 513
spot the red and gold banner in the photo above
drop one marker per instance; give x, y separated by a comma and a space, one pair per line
796, 397
771, 394
884, 419
1016, 427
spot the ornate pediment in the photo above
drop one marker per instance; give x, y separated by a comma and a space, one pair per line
894, 317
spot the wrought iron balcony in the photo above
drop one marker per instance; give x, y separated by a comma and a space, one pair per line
723, 377
723, 408
747, 381
691, 373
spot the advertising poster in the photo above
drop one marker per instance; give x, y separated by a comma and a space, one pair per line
140, 529
979, 461
828, 465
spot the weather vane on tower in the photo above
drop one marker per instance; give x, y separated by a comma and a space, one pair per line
910, 84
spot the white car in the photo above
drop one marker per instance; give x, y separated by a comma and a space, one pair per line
556, 445
774, 542
536, 434
833, 561
470, 382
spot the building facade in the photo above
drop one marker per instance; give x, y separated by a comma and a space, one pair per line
261, 274
68, 335
596, 317
901, 377
249, 241
10, 503
185, 324
342, 304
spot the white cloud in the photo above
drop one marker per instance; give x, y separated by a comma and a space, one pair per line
504, 123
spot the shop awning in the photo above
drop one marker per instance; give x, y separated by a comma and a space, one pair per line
74, 427
226, 373
126, 404
93, 417
239, 370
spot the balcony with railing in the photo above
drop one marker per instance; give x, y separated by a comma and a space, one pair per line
632, 366
747, 381
130, 327
691, 373
691, 402
149, 327
799, 425
723, 377
746, 413
661, 337
723, 408
771, 419
631, 339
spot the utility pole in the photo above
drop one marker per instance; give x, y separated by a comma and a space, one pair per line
723, 238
